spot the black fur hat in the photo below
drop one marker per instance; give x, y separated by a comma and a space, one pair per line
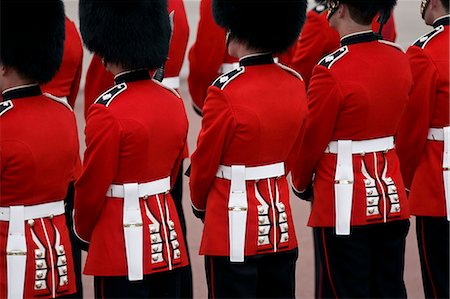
132, 33
269, 25
32, 37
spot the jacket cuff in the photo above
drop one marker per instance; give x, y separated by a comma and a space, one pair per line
198, 212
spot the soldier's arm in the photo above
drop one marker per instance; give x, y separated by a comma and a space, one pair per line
413, 129
99, 169
218, 125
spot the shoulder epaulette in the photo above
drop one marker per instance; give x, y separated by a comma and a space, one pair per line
291, 71
167, 87
109, 95
320, 8
5, 106
422, 41
223, 80
330, 59
397, 46
58, 99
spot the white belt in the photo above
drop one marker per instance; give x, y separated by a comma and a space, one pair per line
132, 220
364, 146
237, 202
444, 135
16, 247
343, 180
172, 82
228, 67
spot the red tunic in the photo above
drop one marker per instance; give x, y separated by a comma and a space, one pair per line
318, 39
420, 158
38, 158
352, 96
98, 79
135, 133
248, 120
66, 82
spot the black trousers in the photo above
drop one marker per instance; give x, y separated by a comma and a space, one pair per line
433, 241
367, 264
260, 276
159, 285
186, 272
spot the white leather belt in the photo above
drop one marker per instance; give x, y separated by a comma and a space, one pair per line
343, 179
436, 134
228, 67
16, 246
172, 82
237, 202
364, 146
132, 220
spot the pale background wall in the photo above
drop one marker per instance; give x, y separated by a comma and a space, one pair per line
409, 27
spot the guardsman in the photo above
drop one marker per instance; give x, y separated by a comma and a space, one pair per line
209, 58
360, 212
253, 120
135, 141
39, 154
98, 79
319, 39
66, 82
423, 145
65, 85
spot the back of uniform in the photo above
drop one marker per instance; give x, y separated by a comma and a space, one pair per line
422, 143
39, 158
355, 104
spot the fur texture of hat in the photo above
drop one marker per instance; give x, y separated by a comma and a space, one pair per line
270, 25
32, 37
134, 34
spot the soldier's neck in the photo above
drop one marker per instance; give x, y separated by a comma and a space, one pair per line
12, 79
351, 28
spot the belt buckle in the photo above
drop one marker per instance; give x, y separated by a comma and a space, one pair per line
132, 225
346, 182
16, 252
237, 209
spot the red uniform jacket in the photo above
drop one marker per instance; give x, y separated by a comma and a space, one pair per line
353, 96
135, 133
318, 39
247, 120
67, 80
208, 53
38, 159
421, 159
98, 79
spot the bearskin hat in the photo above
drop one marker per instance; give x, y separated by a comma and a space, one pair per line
132, 33
32, 37
270, 25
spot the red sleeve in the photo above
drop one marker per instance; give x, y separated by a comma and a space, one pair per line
313, 44
218, 125
76, 84
206, 55
184, 153
99, 168
179, 41
413, 129
324, 102
98, 80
